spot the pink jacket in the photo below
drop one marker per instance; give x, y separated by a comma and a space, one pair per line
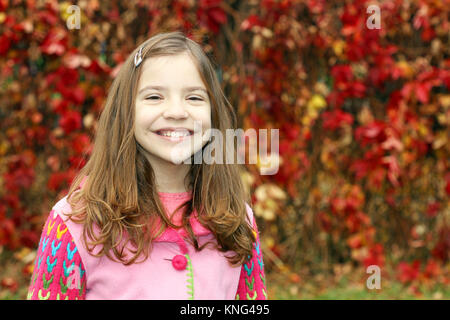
64, 269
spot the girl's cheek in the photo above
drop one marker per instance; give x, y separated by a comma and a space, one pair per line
144, 119
205, 117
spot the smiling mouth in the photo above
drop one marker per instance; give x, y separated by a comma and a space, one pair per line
174, 133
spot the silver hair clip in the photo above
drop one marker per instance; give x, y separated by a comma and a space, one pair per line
138, 58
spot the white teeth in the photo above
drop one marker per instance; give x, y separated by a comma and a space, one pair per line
175, 134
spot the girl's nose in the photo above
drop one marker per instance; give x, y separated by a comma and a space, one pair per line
175, 110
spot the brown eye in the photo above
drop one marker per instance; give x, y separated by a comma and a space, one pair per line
151, 98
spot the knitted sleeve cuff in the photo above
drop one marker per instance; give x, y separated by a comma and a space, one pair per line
252, 281
58, 272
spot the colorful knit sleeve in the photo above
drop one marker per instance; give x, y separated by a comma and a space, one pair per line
58, 272
252, 281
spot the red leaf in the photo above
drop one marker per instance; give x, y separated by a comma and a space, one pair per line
70, 121
5, 44
423, 92
81, 143
10, 284
55, 42
432, 269
56, 180
333, 120
433, 209
393, 169
251, 21
406, 272
428, 34
370, 133
447, 186
78, 95
29, 238
325, 221
375, 256
316, 6
354, 241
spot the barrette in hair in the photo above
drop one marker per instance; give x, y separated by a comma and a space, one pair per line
138, 58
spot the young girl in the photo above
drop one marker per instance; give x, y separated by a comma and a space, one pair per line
140, 221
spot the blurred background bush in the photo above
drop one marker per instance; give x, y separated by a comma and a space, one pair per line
363, 114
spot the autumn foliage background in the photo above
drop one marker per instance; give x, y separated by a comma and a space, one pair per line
363, 115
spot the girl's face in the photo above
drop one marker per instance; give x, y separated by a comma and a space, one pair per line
173, 111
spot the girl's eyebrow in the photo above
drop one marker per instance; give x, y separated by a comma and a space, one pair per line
162, 88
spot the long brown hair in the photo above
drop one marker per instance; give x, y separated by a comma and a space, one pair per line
120, 195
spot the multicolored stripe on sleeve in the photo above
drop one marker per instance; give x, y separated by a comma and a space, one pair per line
252, 281
58, 272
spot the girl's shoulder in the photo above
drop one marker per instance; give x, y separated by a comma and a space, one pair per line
61, 208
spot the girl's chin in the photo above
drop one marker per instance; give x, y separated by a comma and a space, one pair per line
173, 156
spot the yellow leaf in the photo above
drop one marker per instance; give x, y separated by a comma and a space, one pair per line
338, 47
269, 215
276, 192
261, 193
269, 164
406, 69
440, 141
444, 100
423, 130
63, 9
267, 33
306, 120
271, 205
4, 146
317, 102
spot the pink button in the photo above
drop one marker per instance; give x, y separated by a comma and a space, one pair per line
179, 262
